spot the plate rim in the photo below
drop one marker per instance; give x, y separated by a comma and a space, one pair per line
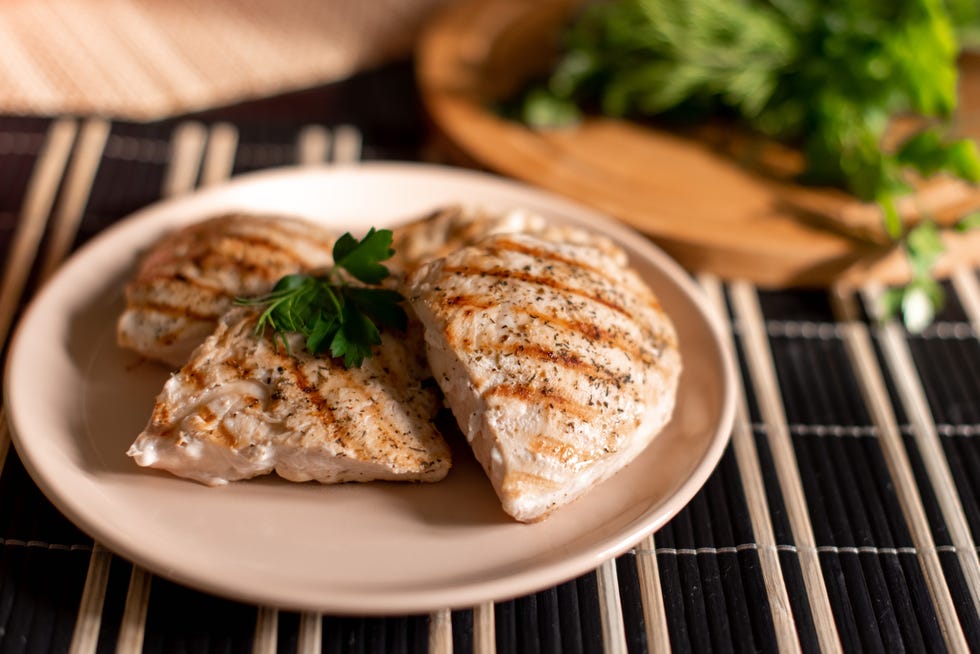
502, 588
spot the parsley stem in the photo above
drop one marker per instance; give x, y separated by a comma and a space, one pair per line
334, 300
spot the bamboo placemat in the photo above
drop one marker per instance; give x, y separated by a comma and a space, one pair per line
843, 517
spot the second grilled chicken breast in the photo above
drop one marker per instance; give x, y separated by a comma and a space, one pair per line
191, 277
241, 408
557, 361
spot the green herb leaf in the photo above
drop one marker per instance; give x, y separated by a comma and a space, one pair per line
929, 153
333, 315
322, 334
380, 304
924, 247
361, 258
542, 109
968, 222
353, 341
892, 219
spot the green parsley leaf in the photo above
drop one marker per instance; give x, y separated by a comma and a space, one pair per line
968, 222
928, 152
380, 304
333, 315
361, 258
354, 339
322, 334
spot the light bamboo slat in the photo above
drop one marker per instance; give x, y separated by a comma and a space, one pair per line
440, 632
219, 155
763, 376
85, 637
857, 340
610, 609
186, 153
651, 596
265, 640
132, 629
313, 145
906, 378
309, 640
968, 290
39, 198
750, 473
77, 188
347, 144
484, 631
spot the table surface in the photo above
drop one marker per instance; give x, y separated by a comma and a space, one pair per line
844, 514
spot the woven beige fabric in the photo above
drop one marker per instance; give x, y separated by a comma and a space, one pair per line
148, 59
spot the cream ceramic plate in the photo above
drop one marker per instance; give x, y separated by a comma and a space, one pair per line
75, 402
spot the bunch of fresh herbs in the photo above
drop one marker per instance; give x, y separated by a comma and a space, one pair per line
334, 315
827, 76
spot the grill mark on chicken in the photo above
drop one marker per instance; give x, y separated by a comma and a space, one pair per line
174, 280
515, 479
253, 243
249, 254
590, 330
542, 254
293, 230
527, 277
325, 410
309, 389
196, 380
564, 358
377, 417
261, 259
546, 396
177, 311
225, 435
160, 415
613, 339
564, 452
207, 415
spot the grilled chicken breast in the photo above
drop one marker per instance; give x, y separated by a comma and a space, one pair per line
190, 278
239, 408
557, 361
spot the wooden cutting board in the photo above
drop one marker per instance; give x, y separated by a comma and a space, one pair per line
714, 199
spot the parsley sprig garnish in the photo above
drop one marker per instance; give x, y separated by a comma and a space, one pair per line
334, 315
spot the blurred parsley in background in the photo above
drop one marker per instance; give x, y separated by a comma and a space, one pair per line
826, 76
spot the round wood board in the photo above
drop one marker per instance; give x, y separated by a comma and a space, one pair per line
692, 195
